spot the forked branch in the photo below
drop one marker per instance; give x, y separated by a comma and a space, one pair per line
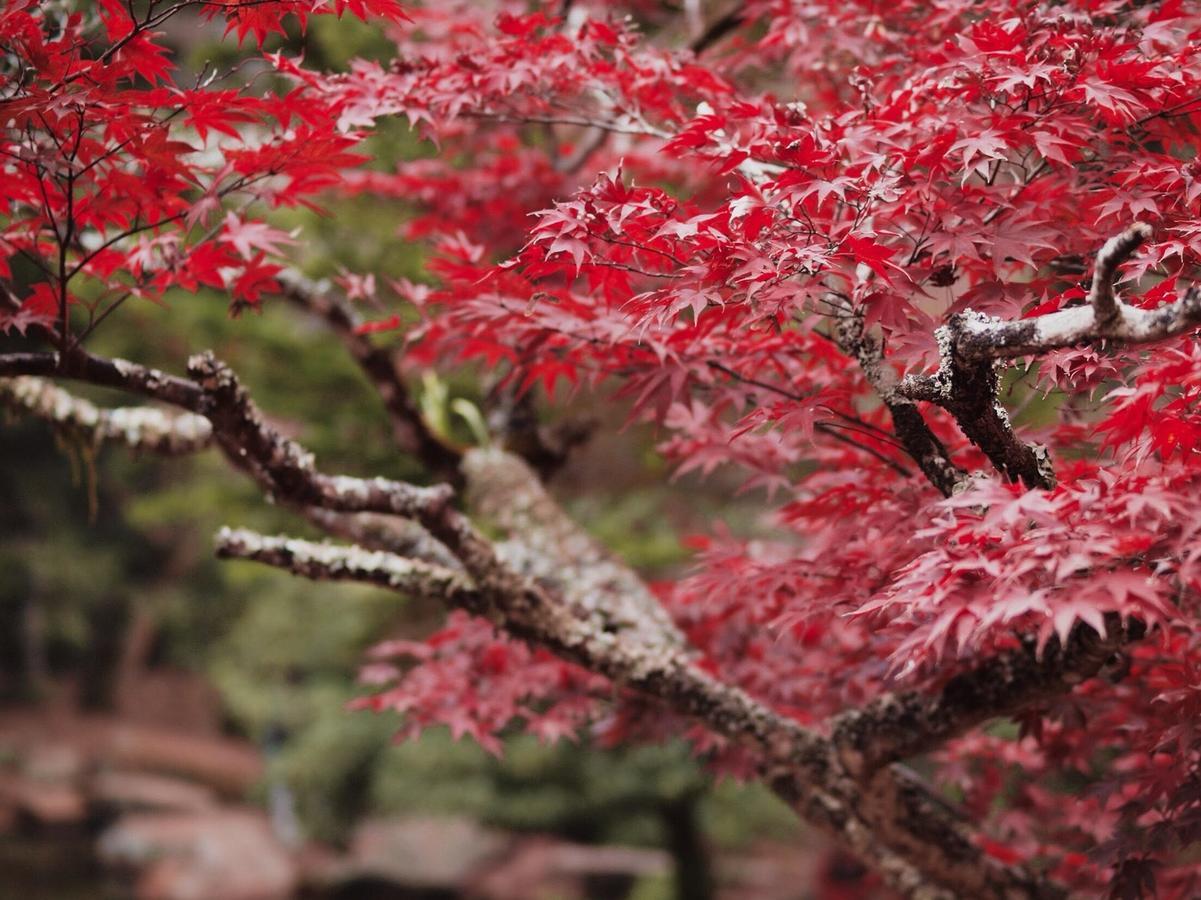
972, 345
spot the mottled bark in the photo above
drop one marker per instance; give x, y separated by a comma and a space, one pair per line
911, 429
899, 726
138, 427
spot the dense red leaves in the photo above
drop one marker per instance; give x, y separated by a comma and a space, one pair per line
477, 682
607, 213
118, 176
932, 159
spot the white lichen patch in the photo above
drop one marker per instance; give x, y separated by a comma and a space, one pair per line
138, 427
544, 545
344, 562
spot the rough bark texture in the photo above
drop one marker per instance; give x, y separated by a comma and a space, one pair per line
900, 726
137, 427
972, 346
919, 441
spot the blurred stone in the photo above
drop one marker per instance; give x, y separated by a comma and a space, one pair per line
139, 792
226, 854
425, 853
228, 766
65, 743
57, 762
544, 866
169, 700
319, 865
45, 804
54, 805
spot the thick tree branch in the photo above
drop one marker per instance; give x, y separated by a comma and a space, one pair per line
899, 726
968, 390
546, 545
112, 373
881, 823
550, 586
979, 338
1106, 306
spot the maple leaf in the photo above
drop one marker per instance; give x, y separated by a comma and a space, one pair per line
252, 238
39, 309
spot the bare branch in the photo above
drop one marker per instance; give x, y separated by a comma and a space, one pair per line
391, 534
137, 427
982, 337
971, 344
382, 367
286, 470
281, 466
892, 821
113, 373
968, 390
329, 562
979, 338
1116, 251
551, 586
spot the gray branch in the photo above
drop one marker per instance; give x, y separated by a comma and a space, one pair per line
971, 346
980, 338
922, 847
391, 534
899, 726
330, 562
143, 428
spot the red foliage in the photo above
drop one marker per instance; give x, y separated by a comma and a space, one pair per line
605, 212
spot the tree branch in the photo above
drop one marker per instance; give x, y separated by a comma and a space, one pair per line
137, 427
329, 562
980, 338
922, 445
1118, 249
391, 534
551, 586
286, 470
382, 367
972, 344
281, 466
891, 822
899, 726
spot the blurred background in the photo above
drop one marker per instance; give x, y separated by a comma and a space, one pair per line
175, 727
